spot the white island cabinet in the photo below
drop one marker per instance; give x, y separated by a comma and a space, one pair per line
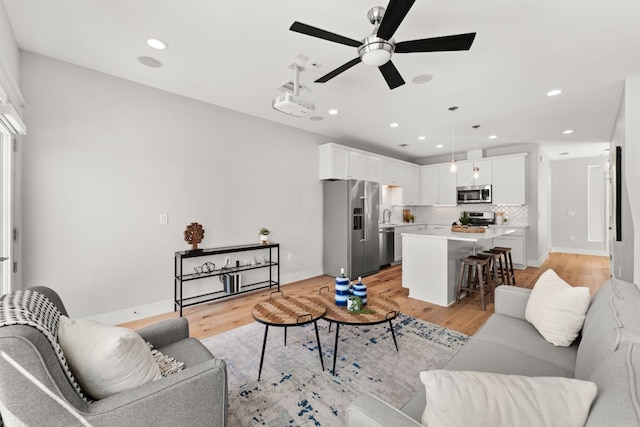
431, 261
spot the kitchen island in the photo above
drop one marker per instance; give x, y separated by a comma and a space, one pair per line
431, 260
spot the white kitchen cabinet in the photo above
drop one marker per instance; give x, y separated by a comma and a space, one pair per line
373, 169
465, 172
517, 241
356, 165
410, 185
397, 245
391, 172
509, 181
437, 185
429, 185
447, 182
364, 167
334, 162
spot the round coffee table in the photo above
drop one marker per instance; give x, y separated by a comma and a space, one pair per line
288, 311
384, 310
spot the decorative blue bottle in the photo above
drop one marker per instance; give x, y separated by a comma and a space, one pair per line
360, 290
342, 289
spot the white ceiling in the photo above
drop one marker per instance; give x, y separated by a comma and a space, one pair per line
235, 53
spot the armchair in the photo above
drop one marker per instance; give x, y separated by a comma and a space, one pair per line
34, 389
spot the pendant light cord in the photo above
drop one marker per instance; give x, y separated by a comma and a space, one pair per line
453, 139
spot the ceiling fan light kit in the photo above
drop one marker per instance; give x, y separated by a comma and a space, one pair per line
375, 51
378, 48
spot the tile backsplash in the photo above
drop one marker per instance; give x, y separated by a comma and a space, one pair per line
516, 215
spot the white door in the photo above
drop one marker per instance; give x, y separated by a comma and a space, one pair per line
5, 210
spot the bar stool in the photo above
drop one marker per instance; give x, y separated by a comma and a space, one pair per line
478, 278
508, 263
497, 270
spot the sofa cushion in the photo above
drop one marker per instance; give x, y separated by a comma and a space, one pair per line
106, 359
618, 381
488, 356
492, 399
522, 336
626, 290
557, 309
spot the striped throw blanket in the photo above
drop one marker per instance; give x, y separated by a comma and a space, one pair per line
32, 308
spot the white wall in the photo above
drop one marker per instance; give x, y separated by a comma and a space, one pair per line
9, 61
570, 193
104, 157
631, 158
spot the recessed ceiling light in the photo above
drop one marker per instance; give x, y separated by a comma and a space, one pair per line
422, 137
439, 146
394, 125
563, 154
157, 44
149, 62
493, 136
606, 149
403, 145
422, 79
333, 111
554, 92
316, 118
568, 131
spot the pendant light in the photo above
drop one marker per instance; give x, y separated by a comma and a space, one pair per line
453, 167
476, 169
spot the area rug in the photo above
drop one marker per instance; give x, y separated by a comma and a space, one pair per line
294, 391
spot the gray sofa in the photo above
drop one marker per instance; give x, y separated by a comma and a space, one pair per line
195, 396
607, 353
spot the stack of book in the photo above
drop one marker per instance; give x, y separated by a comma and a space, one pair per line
231, 282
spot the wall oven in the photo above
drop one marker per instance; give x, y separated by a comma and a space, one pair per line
474, 194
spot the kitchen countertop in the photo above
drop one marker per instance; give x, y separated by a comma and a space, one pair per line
400, 224
407, 224
446, 233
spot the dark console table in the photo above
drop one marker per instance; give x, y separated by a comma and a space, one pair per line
182, 278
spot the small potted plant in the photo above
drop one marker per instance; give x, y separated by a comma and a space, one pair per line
264, 236
464, 218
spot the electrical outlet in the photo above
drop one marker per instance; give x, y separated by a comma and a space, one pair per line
164, 219
571, 213
290, 257
572, 238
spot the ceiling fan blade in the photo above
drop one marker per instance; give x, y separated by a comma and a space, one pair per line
301, 28
338, 70
393, 16
391, 75
437, 44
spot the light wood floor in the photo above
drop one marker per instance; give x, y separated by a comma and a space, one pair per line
466, 317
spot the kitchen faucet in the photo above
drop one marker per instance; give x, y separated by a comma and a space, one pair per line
386, 213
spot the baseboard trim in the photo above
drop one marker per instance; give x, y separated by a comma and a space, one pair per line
133, 313
577, 251
161, 307
538, 262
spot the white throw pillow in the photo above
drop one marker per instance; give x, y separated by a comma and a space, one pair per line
106, 359
464, 398
557, 309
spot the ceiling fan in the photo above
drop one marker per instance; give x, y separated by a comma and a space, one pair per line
377, 48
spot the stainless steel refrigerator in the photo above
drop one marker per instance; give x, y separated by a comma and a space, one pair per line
351, 228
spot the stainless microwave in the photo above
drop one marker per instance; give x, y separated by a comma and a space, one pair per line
474, 194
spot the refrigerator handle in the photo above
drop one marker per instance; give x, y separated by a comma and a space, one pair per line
364, 219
